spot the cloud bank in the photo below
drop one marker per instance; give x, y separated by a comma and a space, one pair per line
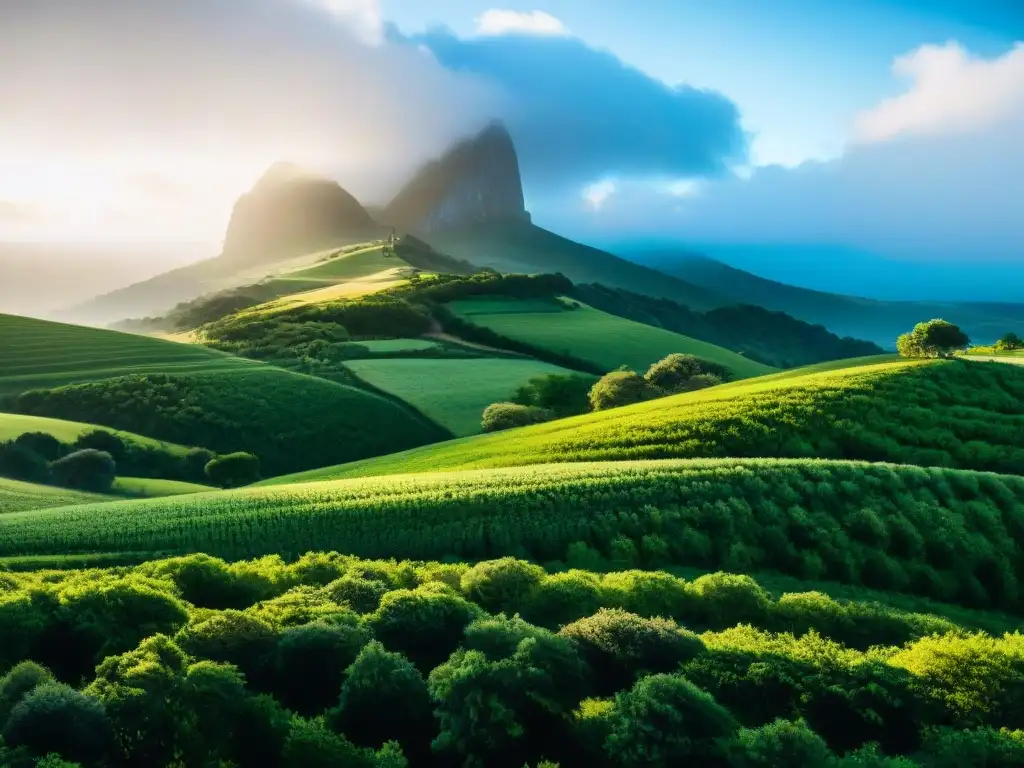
935, 174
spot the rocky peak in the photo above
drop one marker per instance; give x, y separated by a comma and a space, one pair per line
290, 212
476, 181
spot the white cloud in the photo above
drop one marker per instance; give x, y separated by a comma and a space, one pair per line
951, 92
496, 22
205, 95
597, 194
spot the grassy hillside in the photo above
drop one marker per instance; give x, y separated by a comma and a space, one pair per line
289, 420
149, 488
878, 321
14, 424
605, 340
948, 413
16, 496
945, 534
39, 354
454, 393
521, 247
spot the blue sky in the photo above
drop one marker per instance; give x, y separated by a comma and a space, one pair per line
882, 132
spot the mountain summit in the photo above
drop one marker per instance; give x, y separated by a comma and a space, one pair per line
475, 182
290, 212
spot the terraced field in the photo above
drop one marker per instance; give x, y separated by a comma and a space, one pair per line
16, 496
454, 393
931, 413
597, 337
38, 354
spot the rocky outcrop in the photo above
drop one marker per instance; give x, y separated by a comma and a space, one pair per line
290, 213
476, 182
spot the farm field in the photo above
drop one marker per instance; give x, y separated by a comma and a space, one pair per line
454, 393
42, 354
289, 420
831, 520
947, 413
16, 496
148, 488
599, 338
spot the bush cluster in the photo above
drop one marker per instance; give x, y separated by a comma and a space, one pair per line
332, 660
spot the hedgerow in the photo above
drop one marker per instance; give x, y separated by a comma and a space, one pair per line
291, 677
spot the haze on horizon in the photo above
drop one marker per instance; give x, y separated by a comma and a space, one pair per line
143, 123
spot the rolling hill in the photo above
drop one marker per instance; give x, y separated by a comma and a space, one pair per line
16, 496
604, 340
878, 321
38, 354
931, 413
14, 424
879, 525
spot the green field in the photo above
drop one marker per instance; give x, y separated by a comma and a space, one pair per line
599, 338
13, 425
16, 496
398, 345
831, 520
150, 488
41, 354
937, 413
454, 393
291, 421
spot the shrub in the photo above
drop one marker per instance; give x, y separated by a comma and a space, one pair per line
665, 720
728, 599
619, 646
233, 470
310, 744
55, 717
102, 440
563, 598
234, 638
384, 698
360, 594
20, 680
310, 663
619, 388
949, 748
682, 373
781, 744
22, 463
499, 416
563, 395
425, 626
85, 470
194, 464
502, 585
42, 443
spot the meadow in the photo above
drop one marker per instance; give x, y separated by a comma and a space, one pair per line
16, 496
148, 487
454, 393
13, 425
601, 339
41, 354
930, 413
289, 420
334, 660
949, 535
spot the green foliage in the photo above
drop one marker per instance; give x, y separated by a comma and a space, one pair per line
85, 470
54, 717
499, 416
384, 698
950, 748
290, 421
621, 646
501, 585
233, 470
310, 662
683, 373
21, 679
781, 744
1009, 343
44, 444
666, 720
563, 395
934, 338
20, 462
619, 388
426, 626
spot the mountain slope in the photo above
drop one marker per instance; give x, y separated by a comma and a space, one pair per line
878, 321
946, 413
